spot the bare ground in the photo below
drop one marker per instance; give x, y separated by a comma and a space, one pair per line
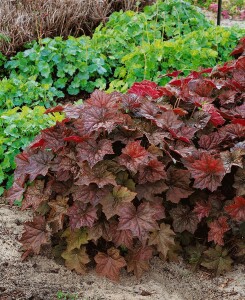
41, 278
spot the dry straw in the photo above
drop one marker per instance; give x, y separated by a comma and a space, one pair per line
22, 21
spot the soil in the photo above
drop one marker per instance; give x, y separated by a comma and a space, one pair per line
40, 277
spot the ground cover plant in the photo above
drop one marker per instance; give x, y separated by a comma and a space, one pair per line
19, 90
201, 48
23, 21
158, 170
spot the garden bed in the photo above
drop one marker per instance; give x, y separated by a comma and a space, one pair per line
41, 277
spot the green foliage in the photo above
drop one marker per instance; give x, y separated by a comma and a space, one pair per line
83, 64
18, 127
201, 48
70, 65
19, 90
162, 20
66, 296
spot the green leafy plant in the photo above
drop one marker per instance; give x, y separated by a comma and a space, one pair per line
126, 176
201, 48
20, 90
162, 20
18, 127
77, 65
66, 296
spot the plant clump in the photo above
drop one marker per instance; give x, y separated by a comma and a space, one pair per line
158, 170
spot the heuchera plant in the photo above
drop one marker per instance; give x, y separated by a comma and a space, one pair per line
159, 170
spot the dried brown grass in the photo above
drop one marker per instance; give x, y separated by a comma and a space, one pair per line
22, 21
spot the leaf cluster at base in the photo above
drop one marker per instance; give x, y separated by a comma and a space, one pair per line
158, 170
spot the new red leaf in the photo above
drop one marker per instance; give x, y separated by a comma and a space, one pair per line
216, 118
237, 209
75, 138
202, 209
207, 171
217, 230
57, 108
202, 87
133, 155
146, 88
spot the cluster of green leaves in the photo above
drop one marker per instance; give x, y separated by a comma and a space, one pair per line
66, 65
163, 20
132, 46
18, 91
18, 127
66, 296
151, 60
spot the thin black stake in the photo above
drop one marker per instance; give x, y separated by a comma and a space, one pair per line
219, 12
